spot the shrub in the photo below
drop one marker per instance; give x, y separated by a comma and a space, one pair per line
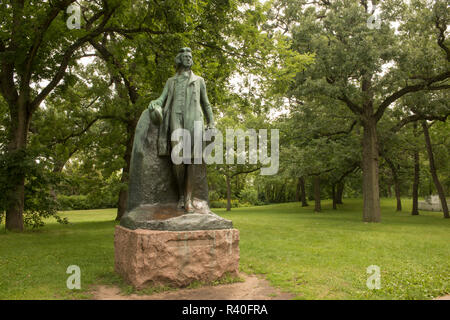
39, 202
78, 202
83, 202
222, 203
214, 195
250, 195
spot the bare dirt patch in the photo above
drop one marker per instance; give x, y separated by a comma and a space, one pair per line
253, 288
447, 297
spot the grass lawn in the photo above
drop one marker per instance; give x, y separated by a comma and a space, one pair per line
314, 255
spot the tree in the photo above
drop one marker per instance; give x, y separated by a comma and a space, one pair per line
415, 188
352, 63
36, 48
301, 192
436, 181
315, 145
317, 205
416, 108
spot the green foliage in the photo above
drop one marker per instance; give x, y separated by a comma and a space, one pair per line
222, 203
249, 194
39, 204
274, 189
355, 70
85, 202
79, 202
84, 187
82, 134
214, 195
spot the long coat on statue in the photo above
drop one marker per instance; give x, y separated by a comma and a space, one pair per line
197, 107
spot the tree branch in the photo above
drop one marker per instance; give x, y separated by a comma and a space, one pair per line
351, 105
50, 16
417, 117
127, 32
246, 171
413, 88
84, 130
108, 57
441, 37
67, 57
337, 132
346, 173
7, 87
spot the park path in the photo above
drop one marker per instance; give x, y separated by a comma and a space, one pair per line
253, 288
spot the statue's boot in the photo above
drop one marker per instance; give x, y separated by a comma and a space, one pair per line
180, 204
188, 206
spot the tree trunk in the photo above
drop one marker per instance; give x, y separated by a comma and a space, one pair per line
436, 181
339, 192
301, 181
333, 191
317, 206
297, 192
415, 188
371, 194
397, 196
14, 211
281, 193
20, 119
58, 167
396, 183
123, 193
228, 193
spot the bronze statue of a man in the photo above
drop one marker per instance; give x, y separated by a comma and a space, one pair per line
183, 102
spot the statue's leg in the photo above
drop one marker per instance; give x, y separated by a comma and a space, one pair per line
179, 171
190, 180
197, 187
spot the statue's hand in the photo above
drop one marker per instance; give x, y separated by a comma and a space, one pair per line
152, 105
213, 131
156, 115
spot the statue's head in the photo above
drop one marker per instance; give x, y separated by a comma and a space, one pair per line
184, 58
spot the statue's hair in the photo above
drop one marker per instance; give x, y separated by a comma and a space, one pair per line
180, 53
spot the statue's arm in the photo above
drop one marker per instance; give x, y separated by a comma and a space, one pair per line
160, 101
206, 106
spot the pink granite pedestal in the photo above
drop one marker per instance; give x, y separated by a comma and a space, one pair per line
175, 258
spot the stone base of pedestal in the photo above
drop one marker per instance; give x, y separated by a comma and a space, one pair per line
175, 258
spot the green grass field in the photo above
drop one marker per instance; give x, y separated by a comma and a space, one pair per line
314, 255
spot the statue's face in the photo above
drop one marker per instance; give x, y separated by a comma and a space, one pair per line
186, 60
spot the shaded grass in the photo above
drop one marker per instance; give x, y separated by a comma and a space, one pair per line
313, 255
33, 264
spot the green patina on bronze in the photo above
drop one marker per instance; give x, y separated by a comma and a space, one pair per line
160, 192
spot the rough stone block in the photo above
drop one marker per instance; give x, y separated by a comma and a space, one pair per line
175, 258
